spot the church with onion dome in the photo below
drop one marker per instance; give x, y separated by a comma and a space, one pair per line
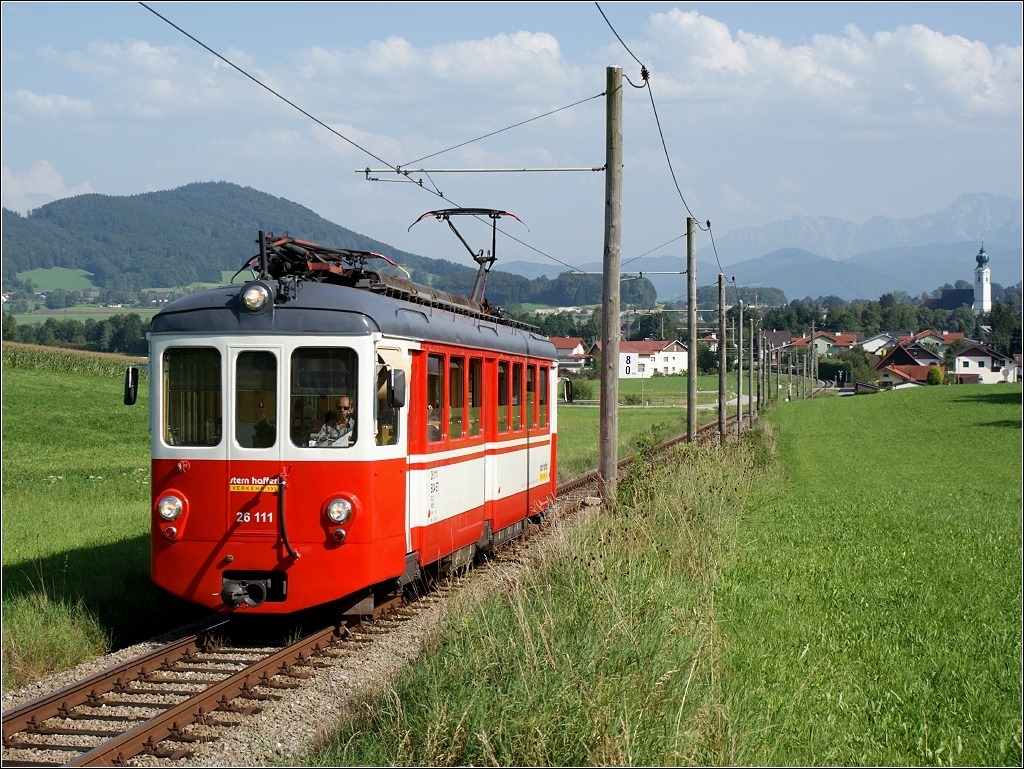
982, 283
978, 298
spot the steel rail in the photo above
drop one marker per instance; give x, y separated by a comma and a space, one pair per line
29, 715
171, 723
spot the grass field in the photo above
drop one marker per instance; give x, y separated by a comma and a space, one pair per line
579, 430
84, 312
854, 598
75, 520
59, 277
871, 611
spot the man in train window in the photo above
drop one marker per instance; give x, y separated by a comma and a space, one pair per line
346, 422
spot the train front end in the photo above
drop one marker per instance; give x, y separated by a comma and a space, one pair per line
279, 470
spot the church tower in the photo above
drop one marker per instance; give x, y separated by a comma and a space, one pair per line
982, 283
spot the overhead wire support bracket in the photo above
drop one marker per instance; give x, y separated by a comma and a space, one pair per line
406, 171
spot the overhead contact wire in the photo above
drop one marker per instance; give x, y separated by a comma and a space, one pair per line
502, 130
645, 75
265, 86
319, 122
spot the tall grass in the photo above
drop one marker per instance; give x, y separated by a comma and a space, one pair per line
34, 357
45, 632
603, 651
75, 522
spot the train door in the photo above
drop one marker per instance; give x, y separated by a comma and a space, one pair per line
392, 370
255, 443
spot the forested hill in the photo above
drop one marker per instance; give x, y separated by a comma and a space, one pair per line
178, 237
174, 237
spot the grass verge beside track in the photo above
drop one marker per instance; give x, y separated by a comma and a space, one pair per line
603, 652
854, 598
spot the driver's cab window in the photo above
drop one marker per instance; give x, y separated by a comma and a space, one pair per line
323, 397
386, 416
256, 399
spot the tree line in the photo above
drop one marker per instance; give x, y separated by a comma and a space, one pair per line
119, 333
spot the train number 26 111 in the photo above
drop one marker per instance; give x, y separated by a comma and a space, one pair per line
254, 517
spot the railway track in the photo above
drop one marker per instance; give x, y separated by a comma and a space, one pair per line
164, 703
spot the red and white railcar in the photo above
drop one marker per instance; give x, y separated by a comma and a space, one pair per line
259, 507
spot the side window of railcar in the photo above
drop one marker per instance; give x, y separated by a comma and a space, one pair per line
192, 396
256, 399
502, 397
387, 417
456, 395
475, 392
324, 397
531, 395
435, 397
543, 409
517, 396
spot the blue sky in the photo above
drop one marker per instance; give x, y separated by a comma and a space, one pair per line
848, 110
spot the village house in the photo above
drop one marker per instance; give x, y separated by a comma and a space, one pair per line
778, 339
572, 353
941, 341
639, 360
882, 341
824, 341
905, 364
710, 339
978, 364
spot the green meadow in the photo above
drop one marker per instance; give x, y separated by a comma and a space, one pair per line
842, 586
579, 430
59, 277
871, 606
75, 514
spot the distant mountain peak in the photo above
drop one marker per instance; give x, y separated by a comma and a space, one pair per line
971, 217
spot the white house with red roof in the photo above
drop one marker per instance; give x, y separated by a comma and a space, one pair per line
643, 359
980, 364
572, 352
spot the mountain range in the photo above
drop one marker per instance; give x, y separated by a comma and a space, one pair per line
822, 256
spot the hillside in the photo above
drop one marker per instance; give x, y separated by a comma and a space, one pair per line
174, 237
177, 237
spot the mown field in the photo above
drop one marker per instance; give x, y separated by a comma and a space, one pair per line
842, 586
75, 514
871, 608
76, 500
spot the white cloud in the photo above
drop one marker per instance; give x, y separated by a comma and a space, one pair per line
40, 184
907, 71
50, 105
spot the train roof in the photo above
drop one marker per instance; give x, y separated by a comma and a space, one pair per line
310, 308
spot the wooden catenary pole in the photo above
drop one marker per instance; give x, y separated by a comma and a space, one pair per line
739, 368
691, 334
722, 360
607, 464
750, 378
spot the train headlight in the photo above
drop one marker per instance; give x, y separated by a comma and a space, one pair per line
255, 297
339, 510
169, 508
